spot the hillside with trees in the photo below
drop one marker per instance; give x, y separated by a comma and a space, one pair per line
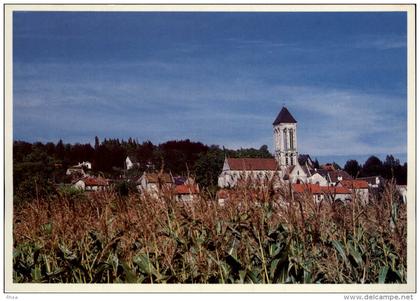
37, 167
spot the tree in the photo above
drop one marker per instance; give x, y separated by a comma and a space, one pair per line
178, 154
390, 167
372, 167
20, 150
97, 143
59, 150
352, 167
208, 167
33, 176
401, 174
263, 151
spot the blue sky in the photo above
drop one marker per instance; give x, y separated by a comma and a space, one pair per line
218, 78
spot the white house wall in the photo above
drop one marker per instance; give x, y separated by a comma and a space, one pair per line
79, 185
363, 195
317, 178
297, 174
230, 178
128, 163
402, 189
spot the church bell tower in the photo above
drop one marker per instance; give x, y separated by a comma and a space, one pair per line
285, 139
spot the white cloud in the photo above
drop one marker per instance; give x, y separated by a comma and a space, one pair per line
235, 112
380, 42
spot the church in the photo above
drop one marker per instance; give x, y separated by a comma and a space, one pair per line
285, 165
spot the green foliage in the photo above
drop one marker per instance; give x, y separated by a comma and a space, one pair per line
181, 157
372, 167
353, 168
33, 176
389, 169
125, 188
208, 166
70, 193
262, 152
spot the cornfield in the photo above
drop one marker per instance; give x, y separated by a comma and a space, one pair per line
260, 235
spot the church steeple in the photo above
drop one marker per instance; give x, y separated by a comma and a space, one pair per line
284, 117
285, 138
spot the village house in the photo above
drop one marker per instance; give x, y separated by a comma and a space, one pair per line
336, 176
154, 183
89, 183
374, 182
319, 177
186, 192
320, 193
181, 180
79, 169
76, 171
85, 164
359, 187
131, 162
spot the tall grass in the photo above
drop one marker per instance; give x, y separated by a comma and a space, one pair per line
261, 235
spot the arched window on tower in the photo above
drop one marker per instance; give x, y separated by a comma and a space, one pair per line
285, 138
291, 138
287, 159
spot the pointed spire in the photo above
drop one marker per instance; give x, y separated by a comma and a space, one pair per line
284, 117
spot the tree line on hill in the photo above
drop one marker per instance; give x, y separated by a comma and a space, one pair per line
37, 167
388, 169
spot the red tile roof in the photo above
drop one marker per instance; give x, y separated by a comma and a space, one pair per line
159, 177
252, 164
312, 188
355, 184
222, 193
317, 189
186, 189
90, 181
334, 190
